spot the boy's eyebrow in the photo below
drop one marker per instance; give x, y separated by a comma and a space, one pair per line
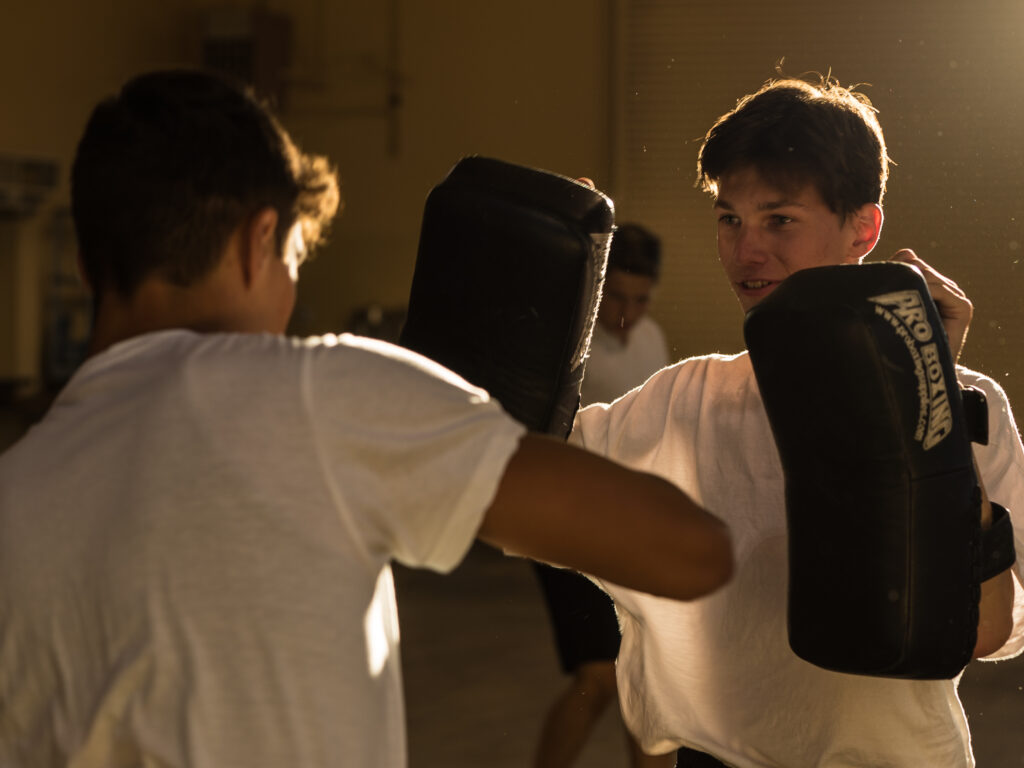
769, 205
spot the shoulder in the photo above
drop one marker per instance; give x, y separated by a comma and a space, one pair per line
673, 391
345, 372
390, 390
340, 359
715, 370
1003, 455
693, 374
969, 377
1000, 413
388, 365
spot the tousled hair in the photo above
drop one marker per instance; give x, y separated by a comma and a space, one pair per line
794, 132
169, 167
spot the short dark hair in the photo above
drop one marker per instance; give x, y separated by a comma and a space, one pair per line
794, 132
636, 250
169, 167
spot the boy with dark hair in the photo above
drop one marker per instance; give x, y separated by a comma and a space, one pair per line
195, 540
797, 172
197, 160
790, 130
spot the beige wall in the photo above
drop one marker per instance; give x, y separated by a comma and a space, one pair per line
525, 82
56, 61
531, 82
944, 76
476, 78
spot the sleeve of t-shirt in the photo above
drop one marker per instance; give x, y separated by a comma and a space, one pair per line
412, 452
1001, 463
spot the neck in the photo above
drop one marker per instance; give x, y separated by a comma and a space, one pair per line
157, 305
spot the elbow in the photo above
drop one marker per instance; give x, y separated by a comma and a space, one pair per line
992, 635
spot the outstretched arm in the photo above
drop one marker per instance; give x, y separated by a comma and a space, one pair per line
564, 505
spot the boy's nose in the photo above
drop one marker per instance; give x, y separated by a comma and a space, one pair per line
749, 246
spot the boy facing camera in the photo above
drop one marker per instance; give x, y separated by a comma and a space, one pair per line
797, 172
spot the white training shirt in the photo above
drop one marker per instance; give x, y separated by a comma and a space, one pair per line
195, 547
717, 673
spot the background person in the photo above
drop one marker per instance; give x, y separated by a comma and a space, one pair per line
627, 345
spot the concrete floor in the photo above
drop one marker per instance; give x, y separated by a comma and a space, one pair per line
480, 667
480, 672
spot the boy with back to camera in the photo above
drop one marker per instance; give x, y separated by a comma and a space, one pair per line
195, 540
797, 172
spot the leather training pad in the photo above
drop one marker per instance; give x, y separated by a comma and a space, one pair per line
507, 281
882, 510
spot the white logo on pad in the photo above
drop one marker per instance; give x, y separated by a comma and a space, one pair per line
905, 312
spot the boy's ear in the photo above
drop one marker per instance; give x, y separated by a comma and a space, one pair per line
867, 228
259, 243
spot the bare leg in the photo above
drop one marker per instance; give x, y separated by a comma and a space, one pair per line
574, 714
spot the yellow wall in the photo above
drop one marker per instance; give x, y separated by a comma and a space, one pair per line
944, 76
57, 59
524, 82
531, 82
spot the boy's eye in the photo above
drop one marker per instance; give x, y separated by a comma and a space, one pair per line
729, 219
779, 219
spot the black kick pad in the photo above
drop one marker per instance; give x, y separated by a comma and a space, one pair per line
882, 503
507, 281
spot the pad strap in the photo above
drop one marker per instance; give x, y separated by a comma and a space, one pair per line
975, 414
997, 549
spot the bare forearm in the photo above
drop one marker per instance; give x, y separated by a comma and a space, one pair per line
563, 505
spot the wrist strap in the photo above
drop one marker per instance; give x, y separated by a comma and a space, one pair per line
997, 551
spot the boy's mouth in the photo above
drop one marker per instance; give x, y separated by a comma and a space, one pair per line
754, 285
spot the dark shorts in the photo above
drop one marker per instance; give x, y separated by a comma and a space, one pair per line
582, 616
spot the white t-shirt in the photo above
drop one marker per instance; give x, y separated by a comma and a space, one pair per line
614, 368
717, 674
195, 547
